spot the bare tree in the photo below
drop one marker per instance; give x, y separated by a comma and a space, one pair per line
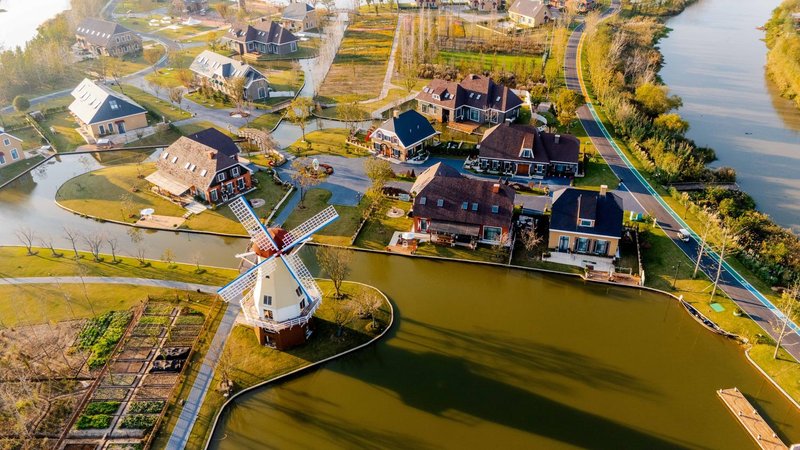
298, 113
335, 262
197, 258
26, 236
369, 302
168, 256
95, 242
176, 96
47, 242
72, 236
304, 177
728, 238
235, 87
344, 312
156, 87
530, 239
113, 244
788, 306
140, 255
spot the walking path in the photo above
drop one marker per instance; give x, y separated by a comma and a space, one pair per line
746, 297
387, 79
112, 280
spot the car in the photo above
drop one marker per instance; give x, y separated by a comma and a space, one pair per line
684, 235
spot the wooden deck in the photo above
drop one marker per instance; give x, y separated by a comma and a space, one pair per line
464, 127
751, 420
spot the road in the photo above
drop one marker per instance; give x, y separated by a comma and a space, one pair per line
731, 283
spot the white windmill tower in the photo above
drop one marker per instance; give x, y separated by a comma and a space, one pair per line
278, 295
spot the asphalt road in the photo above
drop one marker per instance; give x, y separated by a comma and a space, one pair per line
745, 296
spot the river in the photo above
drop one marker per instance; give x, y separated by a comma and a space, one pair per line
19, 23
714, 59
484, 357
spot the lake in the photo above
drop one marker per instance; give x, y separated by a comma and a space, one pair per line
19, 23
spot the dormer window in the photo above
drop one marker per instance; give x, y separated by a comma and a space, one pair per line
586, 222
474, 206
113, 104
440, 203
465, 206
423, 200
174, 159
436, 97
298, 291
235, 171
526, 153
495, 209
221, 176
164, 156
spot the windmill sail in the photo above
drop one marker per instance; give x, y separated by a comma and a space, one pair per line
309, 227
246, 281
303, 277
242, 210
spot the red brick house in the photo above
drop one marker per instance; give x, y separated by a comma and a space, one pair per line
203, 165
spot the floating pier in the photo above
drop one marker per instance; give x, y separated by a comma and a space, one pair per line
751, 420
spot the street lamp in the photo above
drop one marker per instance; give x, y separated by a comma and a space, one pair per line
675, 278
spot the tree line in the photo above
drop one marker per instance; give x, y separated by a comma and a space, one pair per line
783, 58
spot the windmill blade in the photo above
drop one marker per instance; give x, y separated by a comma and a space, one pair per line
309, 227
301, 274
257, 231
246, 281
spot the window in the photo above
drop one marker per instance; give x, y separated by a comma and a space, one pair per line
586, 223
506, 166
495, 209
474, 206
440, 203
192, 167
235, 171
240, 184
14, 154
601, 247
102, 130
268, 300
495, 164
114, 105
465, 206
423, 225
2, 158
298, 291
186, 166
268, 314
6, 142
174, 159
214, 195
492, 233
423, 200
563, 243
582, 245
302, 303
203, 172
229, 188
221, 176
165, 155
526, 153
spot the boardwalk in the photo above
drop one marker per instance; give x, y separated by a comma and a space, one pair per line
750, 419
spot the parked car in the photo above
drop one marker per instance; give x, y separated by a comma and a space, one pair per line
684, 235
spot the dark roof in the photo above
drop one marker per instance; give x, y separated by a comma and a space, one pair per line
410, 127
265, 32
454, 190
99, 32
506, 141
97, 103
207, 152
606, 210
476, 91
296, 11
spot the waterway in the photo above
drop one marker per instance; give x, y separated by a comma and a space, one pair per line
19, 23
714, 59
486, 357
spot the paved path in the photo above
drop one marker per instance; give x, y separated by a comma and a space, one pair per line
192, 404
112, 280
734, 285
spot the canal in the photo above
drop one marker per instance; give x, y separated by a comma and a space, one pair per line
484, 357
714, 59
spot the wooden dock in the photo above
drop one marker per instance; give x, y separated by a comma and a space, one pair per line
751, 420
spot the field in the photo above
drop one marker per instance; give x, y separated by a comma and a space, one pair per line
11, 170
359, 68
330, 141
160, 108
489, 61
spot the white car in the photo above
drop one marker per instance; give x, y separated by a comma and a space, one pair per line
684, 235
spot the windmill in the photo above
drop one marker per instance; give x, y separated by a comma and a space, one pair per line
278, 295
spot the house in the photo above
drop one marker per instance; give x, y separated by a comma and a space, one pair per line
456, 210
427, 4
204, 165
475, 99
101, 111
586, 222
522, 150
101, 37
581, 6
487, 5
530, 13
217, 71
194, 6
262, 37
10, 149
299, 16
403, 136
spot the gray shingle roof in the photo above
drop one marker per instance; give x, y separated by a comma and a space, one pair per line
527, 8
264, 32
99, 32
213, 65
606, 211
296, 11
97, 103
410, 127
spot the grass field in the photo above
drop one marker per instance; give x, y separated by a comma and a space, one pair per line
339, 232
254, 363
9, 171
162, 108
379, 228
99, 194
488, 61
330, 141
359, 68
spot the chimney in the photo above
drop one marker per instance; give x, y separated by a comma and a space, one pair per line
496, 188
396, 113
211, 154
603, 190
558, 138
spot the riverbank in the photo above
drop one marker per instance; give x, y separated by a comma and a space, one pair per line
783, 41
250, 366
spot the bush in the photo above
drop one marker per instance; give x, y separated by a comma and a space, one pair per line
96, 422
146, 407
101, 334
97, 408
139, 421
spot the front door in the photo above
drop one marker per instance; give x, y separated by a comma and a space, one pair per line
563, 243
523, 169
445, 115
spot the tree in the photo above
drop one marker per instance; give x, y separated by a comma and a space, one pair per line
344, 312
728, 237
47, 242
500, 249
530, 239
671, 124
304, 177
72, 236
26, 236
299, 111
185, 78
113, 244
225, 11
141, 253
379, 171
351, 113
95, 242
368, 302
21, 104
156, 87
567, 102
655, 99
788, 306
152, 55
235, 88
335, 262
168, 257
176, 96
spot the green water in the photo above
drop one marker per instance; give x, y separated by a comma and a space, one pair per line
491, 358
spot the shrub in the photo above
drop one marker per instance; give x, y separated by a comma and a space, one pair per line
146, 407
98, 421
139, 421
97, 408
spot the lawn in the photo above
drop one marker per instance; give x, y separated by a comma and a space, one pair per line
380, 228
194, 127
63, 127
508, 63
99, 194
330, 141
180, 59
11, 170
339, 232
162, 138
254, 363
266, 121
137, 6
156, 106
14, 262
482, 253
283, 77
359, 68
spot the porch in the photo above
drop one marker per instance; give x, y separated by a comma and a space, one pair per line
591, 262
464, 127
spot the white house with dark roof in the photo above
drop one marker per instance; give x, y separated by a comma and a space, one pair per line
522, 150
531, 13
217, 71
101, 37
10, 148
101, 111
403, 136
299, 16
262, 37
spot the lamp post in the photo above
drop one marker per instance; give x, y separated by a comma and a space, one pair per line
675, 277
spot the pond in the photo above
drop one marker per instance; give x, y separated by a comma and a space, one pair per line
500, 358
